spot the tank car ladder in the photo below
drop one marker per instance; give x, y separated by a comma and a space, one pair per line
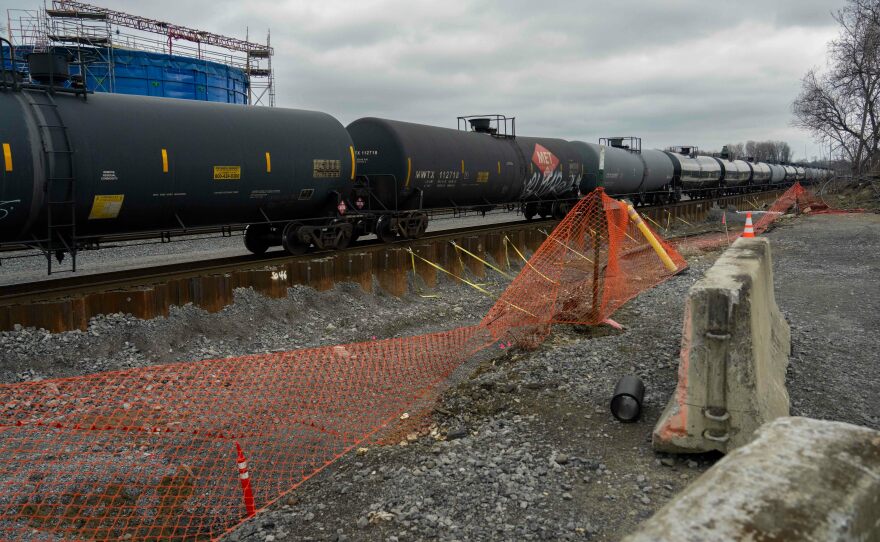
60, 187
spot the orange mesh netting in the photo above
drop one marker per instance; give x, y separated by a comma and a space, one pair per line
800, 200
150, 453
795, 199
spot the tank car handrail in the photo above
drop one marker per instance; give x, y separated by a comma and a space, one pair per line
498, 117
13, 82
635, 143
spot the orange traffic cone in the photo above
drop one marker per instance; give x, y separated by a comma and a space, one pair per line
245, 478
749, 231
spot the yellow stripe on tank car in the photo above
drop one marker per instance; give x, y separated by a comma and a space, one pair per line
408, 171
462, 166
268, 163
7, 157
164, 161
351, 150
499, 168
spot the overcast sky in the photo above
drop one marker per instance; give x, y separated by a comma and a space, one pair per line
700, 72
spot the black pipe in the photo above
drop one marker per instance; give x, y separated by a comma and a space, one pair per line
626, 404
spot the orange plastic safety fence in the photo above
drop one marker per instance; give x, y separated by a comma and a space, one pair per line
796, 199
801, 200
153, 453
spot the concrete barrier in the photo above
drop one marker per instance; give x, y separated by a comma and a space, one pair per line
734, 353
800, 479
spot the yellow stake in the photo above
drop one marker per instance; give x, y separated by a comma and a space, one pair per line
472, 255
548, 279
469, 283
652, 222
685, 221
413, 258
557, 241
658, 248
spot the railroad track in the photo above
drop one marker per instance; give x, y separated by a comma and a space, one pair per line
90, 282
60, 304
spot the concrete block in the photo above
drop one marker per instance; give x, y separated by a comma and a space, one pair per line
800, 479
734, 353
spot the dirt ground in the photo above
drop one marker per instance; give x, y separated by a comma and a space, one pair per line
862, 194
531, 451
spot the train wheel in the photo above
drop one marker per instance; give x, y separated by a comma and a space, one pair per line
256, 238
345, 235
559, 210
384, 231
529, 210
291, 242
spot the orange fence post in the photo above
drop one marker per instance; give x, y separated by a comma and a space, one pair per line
245, 478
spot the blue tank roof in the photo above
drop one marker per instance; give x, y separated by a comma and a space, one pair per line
153, 74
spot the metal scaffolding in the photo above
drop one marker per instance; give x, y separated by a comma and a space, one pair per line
94, 32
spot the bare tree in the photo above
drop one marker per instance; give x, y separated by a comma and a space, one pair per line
840, 107
751, 149
783, 151
735, 150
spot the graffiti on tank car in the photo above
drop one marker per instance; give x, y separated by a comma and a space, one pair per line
548, 179
4, 211
554, 184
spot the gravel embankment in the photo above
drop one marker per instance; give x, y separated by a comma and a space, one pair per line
251, 325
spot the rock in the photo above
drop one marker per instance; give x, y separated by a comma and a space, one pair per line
456, 432
668, 461
561, 459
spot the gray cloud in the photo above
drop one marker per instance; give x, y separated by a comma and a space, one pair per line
684, 71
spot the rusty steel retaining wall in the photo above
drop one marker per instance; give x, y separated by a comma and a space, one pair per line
387, 266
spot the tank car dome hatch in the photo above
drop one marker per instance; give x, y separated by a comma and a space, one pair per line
685, 150
482, 125
50, 68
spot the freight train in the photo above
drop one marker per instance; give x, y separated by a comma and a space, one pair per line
78, 167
